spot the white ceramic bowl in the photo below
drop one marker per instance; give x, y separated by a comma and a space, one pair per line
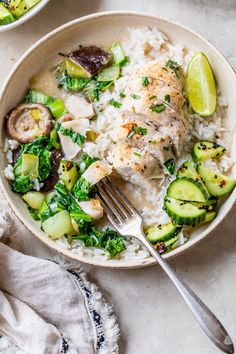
31, 13
103, 29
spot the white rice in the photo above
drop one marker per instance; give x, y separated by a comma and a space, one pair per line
142, 46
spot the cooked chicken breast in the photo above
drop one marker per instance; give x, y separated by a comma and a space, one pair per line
153, 122
145, 137
134, 165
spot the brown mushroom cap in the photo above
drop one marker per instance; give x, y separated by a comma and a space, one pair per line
23, 128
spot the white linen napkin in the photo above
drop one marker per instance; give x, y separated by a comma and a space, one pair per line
50, 308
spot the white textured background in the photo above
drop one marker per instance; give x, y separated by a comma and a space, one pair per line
152, 316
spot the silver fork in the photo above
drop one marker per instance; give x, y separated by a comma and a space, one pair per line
128, 222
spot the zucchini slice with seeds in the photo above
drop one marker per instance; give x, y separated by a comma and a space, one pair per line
164, 232
204, 150
188, 170
210, 205
5, 16
187, 189
210, 215
184, 213
217, 184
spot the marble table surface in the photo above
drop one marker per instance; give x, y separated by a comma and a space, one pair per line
152, 316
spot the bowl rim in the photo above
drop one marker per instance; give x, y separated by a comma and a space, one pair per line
31, 13
106, 264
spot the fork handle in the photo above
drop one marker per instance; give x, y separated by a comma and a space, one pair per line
206, 319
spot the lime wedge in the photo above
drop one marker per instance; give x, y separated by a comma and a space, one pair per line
201, 87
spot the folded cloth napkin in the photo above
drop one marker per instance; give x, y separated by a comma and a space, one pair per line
49, 307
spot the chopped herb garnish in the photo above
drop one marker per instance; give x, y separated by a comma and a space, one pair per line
115, 104
135, 153
75, 137
135, 97
158, 108
137, 130
122, 95
154, 142
167, 98
170, 166
173, 65
145, 81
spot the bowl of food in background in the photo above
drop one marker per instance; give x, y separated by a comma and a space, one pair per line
15, 12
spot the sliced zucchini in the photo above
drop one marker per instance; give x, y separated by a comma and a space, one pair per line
210, 205
210, 215
68, 173
34, 199
187, 189
204, 150
23, 7
5, 16
184, 213
188, 170
159, 233
217, 184
171, 242
58, 225
30, 165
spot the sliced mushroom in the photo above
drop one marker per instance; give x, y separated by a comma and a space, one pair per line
97, 171
29, 120
91, 59
79, 107
93, 208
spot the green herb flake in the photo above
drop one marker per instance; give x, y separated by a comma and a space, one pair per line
167, 98
173, 65
170, 166
135, 153
75, 137
122, 95
134, 96
137, 130
115, 104
145, 81
158, 108
154, 142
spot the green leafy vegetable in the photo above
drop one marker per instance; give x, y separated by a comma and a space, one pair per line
21, 184
70, 83
115, 104
170, 165
135, 97
158, 108
75, 137
82, 189
33, 213
108, 239
39, 147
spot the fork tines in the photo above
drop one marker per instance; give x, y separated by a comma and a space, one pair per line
116, 205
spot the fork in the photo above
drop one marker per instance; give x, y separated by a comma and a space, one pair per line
124, 217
